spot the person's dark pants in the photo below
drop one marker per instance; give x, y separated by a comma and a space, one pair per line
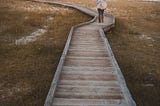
100, 14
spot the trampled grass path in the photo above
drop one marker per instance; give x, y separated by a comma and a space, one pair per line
88, 73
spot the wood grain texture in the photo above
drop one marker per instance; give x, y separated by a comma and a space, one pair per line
88, 73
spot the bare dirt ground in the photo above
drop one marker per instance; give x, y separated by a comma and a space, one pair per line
27, 67
136, 44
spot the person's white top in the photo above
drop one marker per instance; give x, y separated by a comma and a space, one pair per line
99, 3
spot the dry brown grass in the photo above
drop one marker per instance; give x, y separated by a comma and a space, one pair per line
26, 71
88, 3
135, 42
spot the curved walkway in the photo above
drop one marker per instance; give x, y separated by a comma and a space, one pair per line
88, 74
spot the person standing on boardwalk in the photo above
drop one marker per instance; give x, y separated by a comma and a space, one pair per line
101, 6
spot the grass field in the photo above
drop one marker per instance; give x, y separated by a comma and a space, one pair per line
136, 44
26, 70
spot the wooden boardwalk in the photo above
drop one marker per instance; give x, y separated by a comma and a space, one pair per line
88, 74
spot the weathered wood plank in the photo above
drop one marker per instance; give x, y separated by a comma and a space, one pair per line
87, 54
88, 95
87, 58
88, 62
87, 42
86, 72
89, 83
81, 32
84, 68
87, 46
81, 102
89, 89
87, 37
87, 50
91, 77
87, 28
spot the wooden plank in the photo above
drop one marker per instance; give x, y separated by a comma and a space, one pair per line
95, 41
89, 83
96, 87
83, 68
85, 54
85, 42
87, 28
87, 58
86, 50
86, 32
88, 95
86, 72
81, 102
88, 38
87, 35
90, 77
89, 89
103, 59
87, 46
88, 42
88, 62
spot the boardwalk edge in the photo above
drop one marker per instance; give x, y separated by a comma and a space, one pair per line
124, 87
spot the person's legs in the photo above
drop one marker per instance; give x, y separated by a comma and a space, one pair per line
99, 15
102, 17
